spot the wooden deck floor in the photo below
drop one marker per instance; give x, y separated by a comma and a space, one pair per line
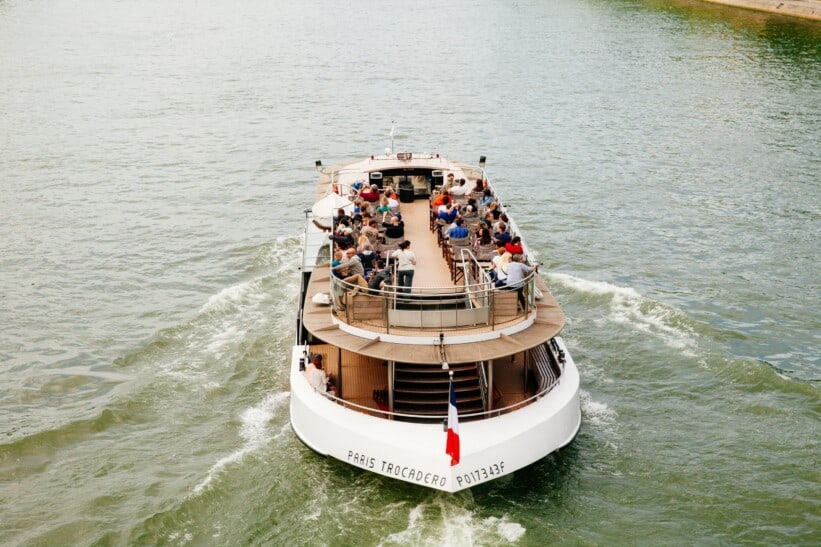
431, 268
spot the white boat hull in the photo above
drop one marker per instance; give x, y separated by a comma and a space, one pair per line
415, 453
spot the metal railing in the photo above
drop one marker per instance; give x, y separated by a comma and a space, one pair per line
480, 367
438, 418
475, 304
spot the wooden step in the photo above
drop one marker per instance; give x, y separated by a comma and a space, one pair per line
428, 402
436, 390
436, 381
433, 369
430, 410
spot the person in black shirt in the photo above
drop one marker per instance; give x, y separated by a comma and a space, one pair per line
343, 238
395, 228
380, 276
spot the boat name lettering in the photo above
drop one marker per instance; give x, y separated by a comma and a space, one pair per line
396, 470
361, 460
481, 474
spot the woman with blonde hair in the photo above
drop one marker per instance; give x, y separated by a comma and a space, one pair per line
384, 206
499, 266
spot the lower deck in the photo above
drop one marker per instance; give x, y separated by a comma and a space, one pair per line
364, 382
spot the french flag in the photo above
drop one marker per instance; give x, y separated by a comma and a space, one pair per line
452, 446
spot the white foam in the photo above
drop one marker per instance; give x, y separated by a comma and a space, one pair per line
628, 307
593, 287
602, 419
254, 430
242, 294
598, 414
453, 525
223, 323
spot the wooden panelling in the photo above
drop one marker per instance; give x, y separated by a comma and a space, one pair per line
330, 358
361, 375
364, 307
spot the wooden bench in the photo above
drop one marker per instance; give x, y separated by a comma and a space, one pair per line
505, 304
363, 307
541, 361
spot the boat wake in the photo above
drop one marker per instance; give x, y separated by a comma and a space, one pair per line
628, 307
601, 418
193, 352
256, 433
441, 522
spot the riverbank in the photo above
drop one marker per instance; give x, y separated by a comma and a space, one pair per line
807, 9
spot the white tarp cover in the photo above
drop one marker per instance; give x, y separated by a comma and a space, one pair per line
327, 206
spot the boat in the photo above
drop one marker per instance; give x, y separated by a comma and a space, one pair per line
446, 384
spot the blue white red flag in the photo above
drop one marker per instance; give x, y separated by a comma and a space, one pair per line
452, 446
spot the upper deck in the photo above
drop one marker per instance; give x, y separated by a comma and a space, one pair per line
453, 313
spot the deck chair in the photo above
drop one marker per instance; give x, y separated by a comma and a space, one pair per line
454, 254
390, 244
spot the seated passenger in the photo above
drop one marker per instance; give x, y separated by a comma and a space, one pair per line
460, 189
494, 210
501, 236
449, 214
483, 237
379, 277
338, 255
514, 246
317, 378
502, 219
343, 237
441, 199
499, 266
393, 202
370, 195
357, 187
487, 198
366, 256
342, 217
470, 212
371, 232
359, 211
356, 271
384, 207
395, 228
479, 186
448, 183
458, 230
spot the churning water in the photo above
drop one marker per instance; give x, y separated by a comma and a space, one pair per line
155, 159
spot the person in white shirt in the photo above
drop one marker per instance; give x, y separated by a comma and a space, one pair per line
405, 263
499, 265
317, 377
460, 189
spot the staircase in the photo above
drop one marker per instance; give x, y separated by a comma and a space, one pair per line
422, 390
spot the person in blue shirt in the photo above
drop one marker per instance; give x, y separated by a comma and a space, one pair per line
501, 236
487, 198
458, 230
449, 214
516, 272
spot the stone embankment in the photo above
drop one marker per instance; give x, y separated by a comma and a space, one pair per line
808, 9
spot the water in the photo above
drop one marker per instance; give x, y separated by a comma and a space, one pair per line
662, 158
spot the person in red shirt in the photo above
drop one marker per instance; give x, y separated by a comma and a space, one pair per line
371, 195
514, 246
441, 199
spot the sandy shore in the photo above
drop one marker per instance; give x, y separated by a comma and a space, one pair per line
808, 9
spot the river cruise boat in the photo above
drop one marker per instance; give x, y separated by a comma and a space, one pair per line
449, 383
